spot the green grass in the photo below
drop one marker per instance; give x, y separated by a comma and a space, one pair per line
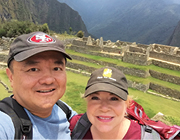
87, 64
4, 79
64, 36
173, 120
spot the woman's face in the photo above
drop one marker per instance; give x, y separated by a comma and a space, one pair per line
105, 111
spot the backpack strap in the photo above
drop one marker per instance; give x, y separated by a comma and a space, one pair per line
64, 107
81, 127
147, 133
21, 121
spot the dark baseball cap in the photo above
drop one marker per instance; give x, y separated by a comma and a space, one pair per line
108, 79
27, 45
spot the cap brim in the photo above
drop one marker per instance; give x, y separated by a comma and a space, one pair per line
28, 53
108, 88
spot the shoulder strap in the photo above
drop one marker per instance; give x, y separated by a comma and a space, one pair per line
147, 133
64, 107
21, 121
81, 128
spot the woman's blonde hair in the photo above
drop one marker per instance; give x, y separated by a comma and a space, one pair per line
128, 101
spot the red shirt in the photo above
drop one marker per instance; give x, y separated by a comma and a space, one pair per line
134, 131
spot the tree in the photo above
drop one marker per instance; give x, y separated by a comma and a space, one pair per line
70, 30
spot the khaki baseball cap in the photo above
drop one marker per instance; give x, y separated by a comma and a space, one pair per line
108, 79
27, 45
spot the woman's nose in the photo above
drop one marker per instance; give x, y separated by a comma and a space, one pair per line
104, 106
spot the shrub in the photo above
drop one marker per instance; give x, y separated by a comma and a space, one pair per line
2, 32
80, 34
15, 28
44, 28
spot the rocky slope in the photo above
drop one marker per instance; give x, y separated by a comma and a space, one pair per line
60, 17
174, 40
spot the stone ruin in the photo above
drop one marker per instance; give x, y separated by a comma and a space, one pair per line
139, 54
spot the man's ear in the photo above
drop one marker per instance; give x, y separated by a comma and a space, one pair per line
10, 76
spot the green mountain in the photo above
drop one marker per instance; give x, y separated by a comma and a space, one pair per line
59, 17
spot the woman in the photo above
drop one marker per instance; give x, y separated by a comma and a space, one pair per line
107, 100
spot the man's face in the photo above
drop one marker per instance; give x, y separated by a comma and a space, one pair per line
39, 81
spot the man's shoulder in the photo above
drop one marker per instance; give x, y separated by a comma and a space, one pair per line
66, 109
6, 126
5, 119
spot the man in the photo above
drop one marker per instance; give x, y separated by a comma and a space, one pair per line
36, 70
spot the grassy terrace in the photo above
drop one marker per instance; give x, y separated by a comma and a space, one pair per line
133, 78
120, 63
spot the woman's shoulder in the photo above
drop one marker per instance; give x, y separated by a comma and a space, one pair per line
73, 121
134, 131
137, 131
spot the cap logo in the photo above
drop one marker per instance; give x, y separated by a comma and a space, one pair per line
41, 38
107, 73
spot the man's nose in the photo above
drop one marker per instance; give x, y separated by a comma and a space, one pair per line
47, 78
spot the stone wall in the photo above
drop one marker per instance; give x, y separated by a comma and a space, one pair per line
166, 65
163, 49
110, 50
165, 57
142, 46
79, 42
135, 58
138, 86
137, 49
165, 91
165, 77
178, 53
